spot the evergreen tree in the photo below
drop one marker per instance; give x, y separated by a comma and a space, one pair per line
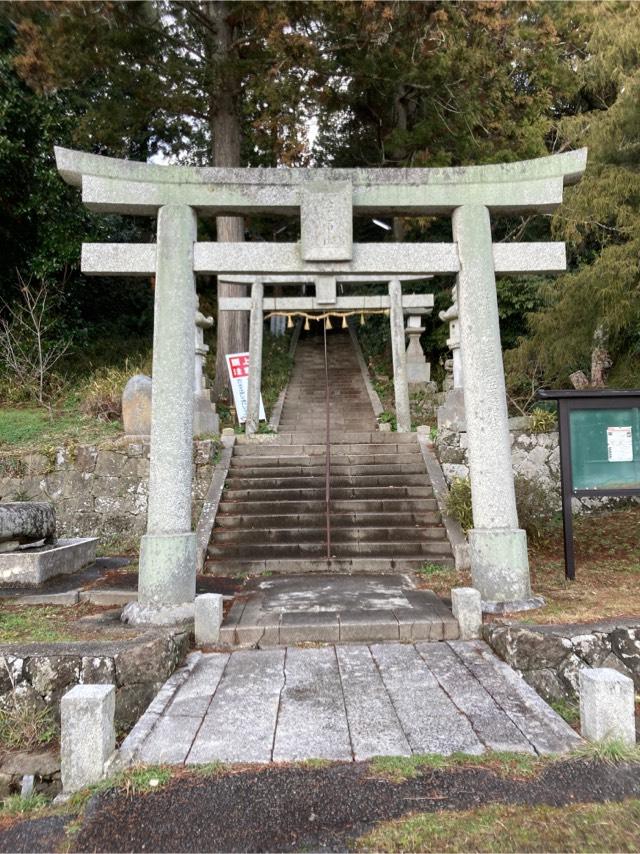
205, 82
598, 302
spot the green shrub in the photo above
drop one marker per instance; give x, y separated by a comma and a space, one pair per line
459, 502
101, 395
532, 501
534, 507
388, 418
542, 421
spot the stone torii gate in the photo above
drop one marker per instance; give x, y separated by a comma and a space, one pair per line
326, 200
326, 298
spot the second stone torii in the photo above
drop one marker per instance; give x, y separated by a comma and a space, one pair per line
325, 298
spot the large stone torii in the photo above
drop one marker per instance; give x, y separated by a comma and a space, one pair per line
326, 200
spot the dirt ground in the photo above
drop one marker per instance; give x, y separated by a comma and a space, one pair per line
607, 570
312, 806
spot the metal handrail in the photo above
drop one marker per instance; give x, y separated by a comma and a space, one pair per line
327, 448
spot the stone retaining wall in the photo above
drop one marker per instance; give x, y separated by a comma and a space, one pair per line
550, 657
97, 491
39, 674
536, 456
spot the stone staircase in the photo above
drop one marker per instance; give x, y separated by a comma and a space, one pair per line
383, 513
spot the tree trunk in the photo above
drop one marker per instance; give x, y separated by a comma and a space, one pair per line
600, 359
224, 120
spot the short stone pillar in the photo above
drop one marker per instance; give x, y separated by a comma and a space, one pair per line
607, 706
498, 547
254, 382
466, 605
205, 417
87, 734
418, 369
208, 619
167, 576
136, 406
400, 385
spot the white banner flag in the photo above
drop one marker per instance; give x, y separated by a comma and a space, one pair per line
238, 367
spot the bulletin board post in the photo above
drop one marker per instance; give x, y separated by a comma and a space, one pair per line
599, 435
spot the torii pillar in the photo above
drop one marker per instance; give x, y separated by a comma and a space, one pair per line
498, 546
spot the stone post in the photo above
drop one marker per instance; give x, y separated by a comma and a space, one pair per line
255, 359
607, 706
400, 385
167, 579
87, 734
451, 413
498, 547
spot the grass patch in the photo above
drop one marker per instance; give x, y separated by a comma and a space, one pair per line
612, 751
15, 805
313, 764
576, 827
568, 711
35, 624
52, 623
209, 769
434, 569
137, 780
24, 727
30, 429
401, 768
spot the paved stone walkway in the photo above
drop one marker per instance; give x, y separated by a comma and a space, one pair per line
332, 608
346, 702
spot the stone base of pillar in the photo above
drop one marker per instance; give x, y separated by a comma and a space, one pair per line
167, 578
136, 614
205, 418
500, 569
451, 413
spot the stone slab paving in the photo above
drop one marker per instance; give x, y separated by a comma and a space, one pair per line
333, 608
344, 702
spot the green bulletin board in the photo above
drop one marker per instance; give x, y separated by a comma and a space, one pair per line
599, 433
605, 448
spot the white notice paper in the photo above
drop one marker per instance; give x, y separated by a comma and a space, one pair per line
620, 444
238, 367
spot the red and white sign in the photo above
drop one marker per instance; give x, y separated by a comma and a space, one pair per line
238, 367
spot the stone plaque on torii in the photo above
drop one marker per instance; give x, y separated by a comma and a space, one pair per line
326, 200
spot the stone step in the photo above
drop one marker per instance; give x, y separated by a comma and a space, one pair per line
317, 437
387, 548
249, 462
337, 469
248, 521
337, 493
256, 506
345, 566
337, 481
287, 535
271, 449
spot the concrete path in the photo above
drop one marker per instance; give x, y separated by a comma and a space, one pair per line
332, 608
346, 702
